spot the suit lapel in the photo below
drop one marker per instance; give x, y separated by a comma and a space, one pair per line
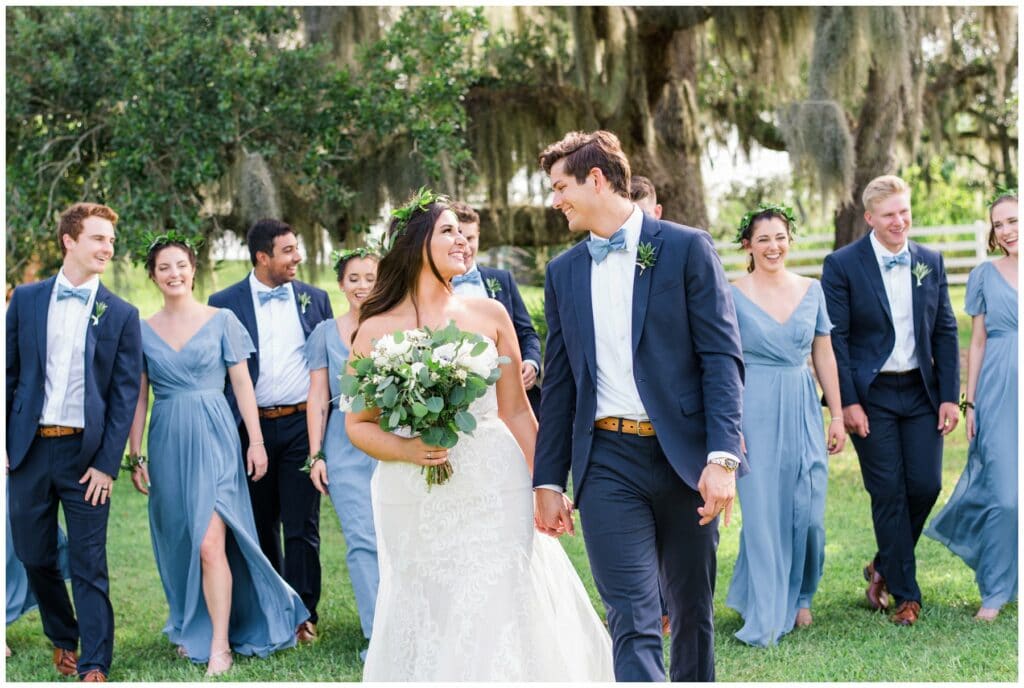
299, 288
915, 291
583, 303
873, 274
41, 310
246, 313
102, 296
642, 281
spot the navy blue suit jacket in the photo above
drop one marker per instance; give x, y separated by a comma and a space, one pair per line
238, 299
687, 357
863, 336
512, 300
113, 370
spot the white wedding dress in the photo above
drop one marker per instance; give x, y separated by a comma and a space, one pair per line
469, 591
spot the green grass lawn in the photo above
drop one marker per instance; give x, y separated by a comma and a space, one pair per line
848, 642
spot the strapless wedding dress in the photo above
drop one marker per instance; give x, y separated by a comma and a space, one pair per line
469, 591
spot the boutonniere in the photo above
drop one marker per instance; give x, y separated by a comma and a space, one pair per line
645, 257
920, 271
101, 308
493, 286
304, 301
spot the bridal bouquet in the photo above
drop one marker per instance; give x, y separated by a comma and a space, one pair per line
424, 380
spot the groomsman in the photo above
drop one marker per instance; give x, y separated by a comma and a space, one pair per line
895, 339
641, 191
74, 360
279, 313
500, 285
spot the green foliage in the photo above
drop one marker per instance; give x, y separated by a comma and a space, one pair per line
944, 194
147, 109
415, 80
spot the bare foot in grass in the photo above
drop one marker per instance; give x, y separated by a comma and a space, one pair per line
986, 614
803, 618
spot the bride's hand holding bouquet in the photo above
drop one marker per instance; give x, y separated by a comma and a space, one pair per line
423, 382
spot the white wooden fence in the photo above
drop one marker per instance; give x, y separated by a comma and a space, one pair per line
962, 246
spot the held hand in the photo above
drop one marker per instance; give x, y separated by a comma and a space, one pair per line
949, 416
256, 461
969, 424
855, 420
552, 513
318, 474
836, 436
529, 375
98, 489
140, 478
423, 454
717, 488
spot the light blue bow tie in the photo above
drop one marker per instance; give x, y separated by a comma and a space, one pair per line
65, 292
899, 259
471, 277
600, 248
276, 293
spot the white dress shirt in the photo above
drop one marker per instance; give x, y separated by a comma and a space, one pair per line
67, 323
611, 296
898, 282
283, 378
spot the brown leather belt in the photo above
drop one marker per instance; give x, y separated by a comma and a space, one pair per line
281, 411
628, 427
57, 431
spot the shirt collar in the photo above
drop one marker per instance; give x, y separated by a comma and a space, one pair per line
881, 252
256, 286
92, 284
632, 225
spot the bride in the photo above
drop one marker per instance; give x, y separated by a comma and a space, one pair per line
468, 590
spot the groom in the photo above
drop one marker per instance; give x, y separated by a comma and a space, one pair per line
74, 360
642, 401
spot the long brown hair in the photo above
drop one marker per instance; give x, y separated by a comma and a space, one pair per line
399, 270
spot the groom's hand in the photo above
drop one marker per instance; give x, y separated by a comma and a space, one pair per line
552, 512
717, 487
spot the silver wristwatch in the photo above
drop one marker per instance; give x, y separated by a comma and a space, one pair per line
727, 462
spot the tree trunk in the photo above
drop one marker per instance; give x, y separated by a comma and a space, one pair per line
874, 147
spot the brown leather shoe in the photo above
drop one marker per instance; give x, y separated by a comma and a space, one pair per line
66, 661
94, 676
906, 614
306, 632
877, 593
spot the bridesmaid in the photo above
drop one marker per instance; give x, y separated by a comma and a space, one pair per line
338, 467
979, 522
782, 319
222, 592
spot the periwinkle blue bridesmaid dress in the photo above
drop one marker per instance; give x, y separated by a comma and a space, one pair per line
195, 469
782, 499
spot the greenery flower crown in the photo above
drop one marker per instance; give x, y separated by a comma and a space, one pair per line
338, 258
152, 241
748, 219
1001, 193
419, 202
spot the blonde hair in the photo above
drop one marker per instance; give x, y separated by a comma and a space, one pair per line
881, 188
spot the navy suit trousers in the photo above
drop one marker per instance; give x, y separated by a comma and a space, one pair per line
643, 531
285, 499
49, 475
901, 463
